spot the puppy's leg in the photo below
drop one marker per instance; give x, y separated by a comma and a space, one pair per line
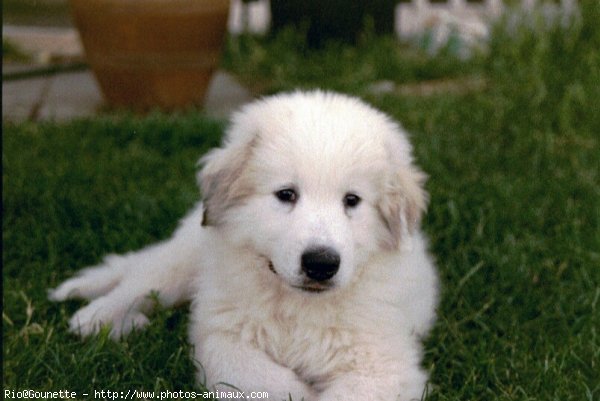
360, 386
380, 374
238, 365
93, 282
119, 288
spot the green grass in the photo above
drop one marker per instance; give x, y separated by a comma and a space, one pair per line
72, 193
514, 219
36, 12
271, 65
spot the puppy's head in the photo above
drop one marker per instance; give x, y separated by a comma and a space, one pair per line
316, 184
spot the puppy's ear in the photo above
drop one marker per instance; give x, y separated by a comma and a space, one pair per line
221, 180
402, 204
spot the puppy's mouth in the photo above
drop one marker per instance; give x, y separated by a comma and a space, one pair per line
314, 286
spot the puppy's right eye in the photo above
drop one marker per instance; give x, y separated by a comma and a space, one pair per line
287, 195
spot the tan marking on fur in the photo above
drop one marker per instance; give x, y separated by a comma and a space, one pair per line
222, 181
403, 203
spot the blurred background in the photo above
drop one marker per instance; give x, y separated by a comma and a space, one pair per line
41, 42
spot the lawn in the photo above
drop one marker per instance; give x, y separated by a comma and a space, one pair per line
514, 217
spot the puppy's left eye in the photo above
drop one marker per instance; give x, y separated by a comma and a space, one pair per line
287, 195
351, 200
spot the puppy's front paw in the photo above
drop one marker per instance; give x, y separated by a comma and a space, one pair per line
104, 312
69, 289
92, 282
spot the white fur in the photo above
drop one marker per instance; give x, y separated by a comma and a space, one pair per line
250, 327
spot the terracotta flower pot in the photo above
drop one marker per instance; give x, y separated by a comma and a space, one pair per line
152, 53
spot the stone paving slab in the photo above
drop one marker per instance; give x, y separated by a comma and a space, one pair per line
46, 44
57, 97
65, 96
225, 95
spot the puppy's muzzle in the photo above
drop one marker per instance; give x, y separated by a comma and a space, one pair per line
320, 263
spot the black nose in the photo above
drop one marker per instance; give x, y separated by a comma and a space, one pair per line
321, 263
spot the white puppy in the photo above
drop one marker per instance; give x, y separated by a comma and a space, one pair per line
305, 265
